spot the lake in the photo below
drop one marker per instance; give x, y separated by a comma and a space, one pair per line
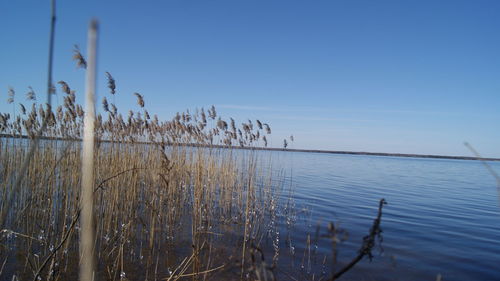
442, 217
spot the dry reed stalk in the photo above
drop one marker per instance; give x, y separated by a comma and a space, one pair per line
87, 222
119, 196
151, 192
249, 197
22, 171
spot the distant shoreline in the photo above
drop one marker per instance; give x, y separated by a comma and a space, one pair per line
406, 155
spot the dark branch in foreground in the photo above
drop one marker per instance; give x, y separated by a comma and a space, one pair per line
368, 243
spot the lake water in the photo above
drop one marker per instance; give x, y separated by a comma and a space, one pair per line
442, 217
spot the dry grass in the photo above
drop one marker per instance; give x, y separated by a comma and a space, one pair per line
163, 208
172, 199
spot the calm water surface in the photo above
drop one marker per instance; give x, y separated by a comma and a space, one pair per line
443, 216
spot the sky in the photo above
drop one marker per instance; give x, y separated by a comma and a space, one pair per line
379, 76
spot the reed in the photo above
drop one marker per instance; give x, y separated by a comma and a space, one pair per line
157, 185
87, 196
146, 197
172, 199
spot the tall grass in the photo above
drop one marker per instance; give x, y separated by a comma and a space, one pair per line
155, 183
171, 198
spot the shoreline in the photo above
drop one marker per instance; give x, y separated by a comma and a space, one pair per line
384, 154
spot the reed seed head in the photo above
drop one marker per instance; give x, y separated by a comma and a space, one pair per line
11, 94
30, 95
78, 57
212, 113
140, 99
111, 83
23, 109
105, 105
268, 129
64, 87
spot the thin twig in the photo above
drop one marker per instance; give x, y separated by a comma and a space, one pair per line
488, 167
197, 273
368, 243
480, 158
8, 231
101, 184
66, 236
3, 265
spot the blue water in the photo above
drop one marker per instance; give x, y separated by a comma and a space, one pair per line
442, 217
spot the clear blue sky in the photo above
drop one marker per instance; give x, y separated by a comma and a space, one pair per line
381, 76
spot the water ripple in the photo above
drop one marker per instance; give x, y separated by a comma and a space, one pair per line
443, 215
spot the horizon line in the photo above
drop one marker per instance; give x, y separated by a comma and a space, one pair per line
384, 154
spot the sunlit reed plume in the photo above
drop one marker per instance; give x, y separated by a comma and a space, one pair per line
140, 99
111, 83
268, 129
78, 57
259, 124
11, 94
30, 95
64, 87
105, 105
23, 109
212, 113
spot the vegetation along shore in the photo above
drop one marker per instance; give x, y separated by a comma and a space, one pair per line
452, 157
173, 199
